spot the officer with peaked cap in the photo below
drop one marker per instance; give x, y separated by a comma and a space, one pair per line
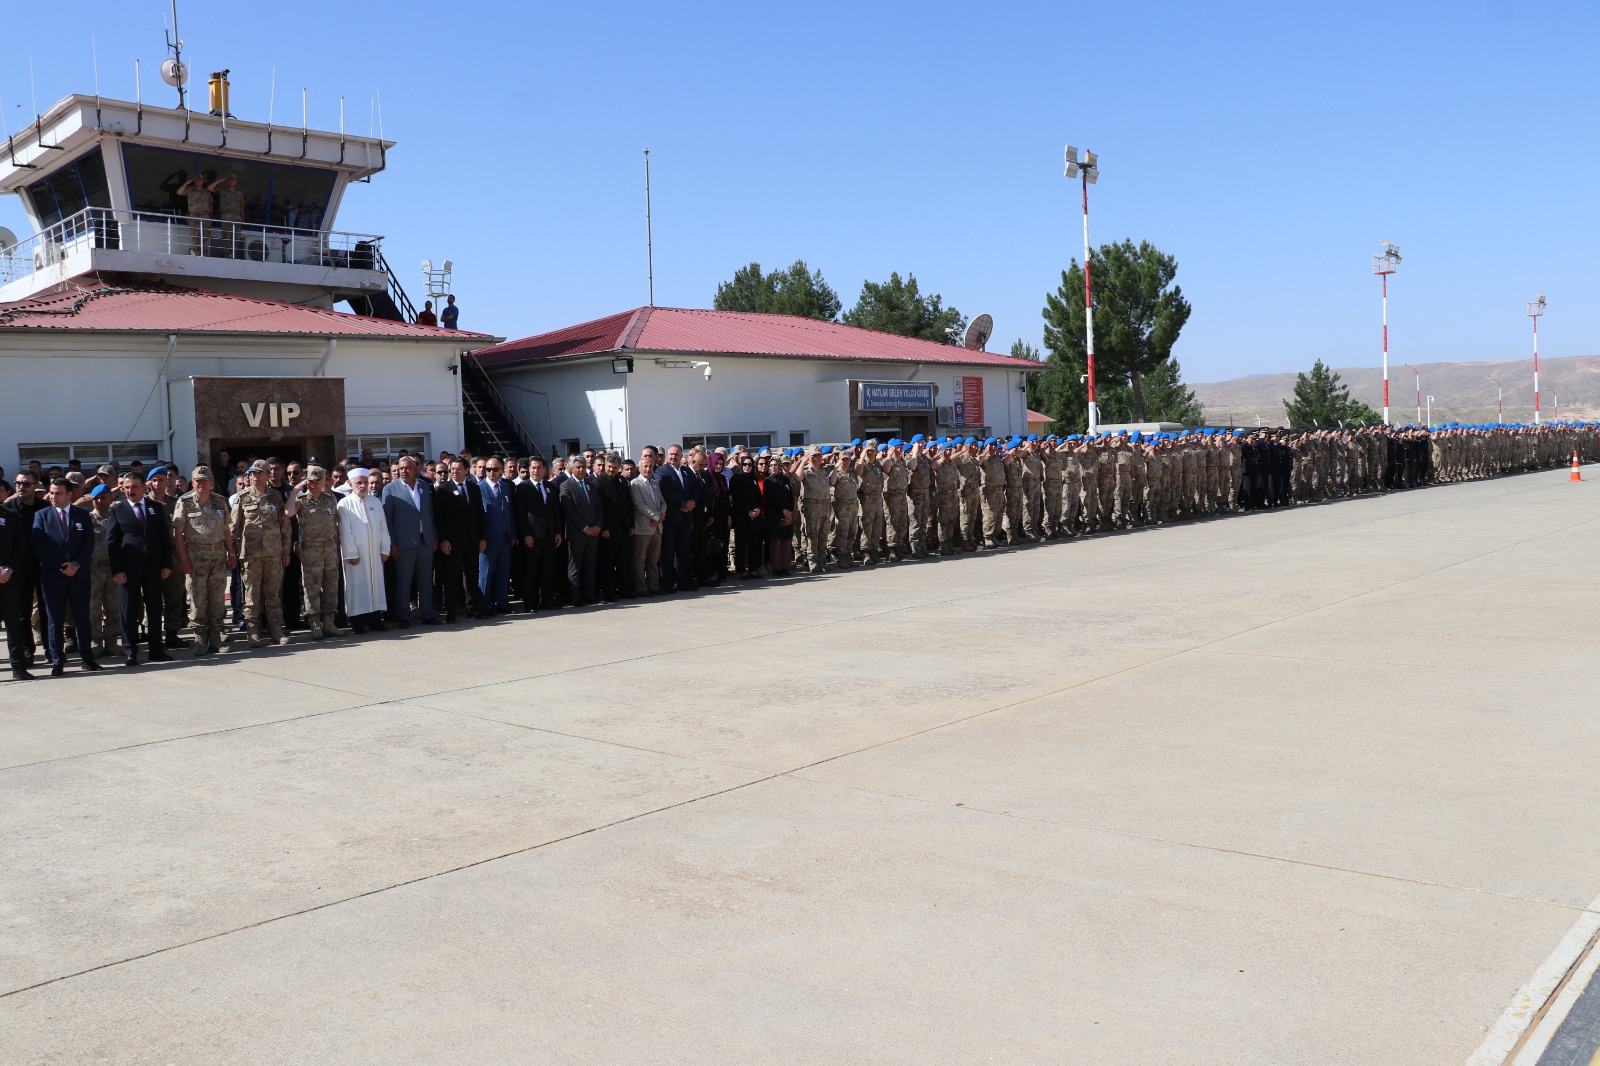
203, 545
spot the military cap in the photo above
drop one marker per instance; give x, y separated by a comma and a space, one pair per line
74, 477
1136, 436
97, 490
106, 470
1033, 436
827, 449
258, 467
201, 473
970, 440
813, 450
315, 473
856, 443
916, 438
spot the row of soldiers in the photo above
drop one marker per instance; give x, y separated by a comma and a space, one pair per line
864, 503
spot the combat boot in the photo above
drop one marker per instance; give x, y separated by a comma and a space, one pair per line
280, 637
331, 627
201, 648
253, 635
214, 639
316, 631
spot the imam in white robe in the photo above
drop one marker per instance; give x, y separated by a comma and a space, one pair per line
363, 535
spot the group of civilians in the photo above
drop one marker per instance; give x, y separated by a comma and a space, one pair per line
139, 556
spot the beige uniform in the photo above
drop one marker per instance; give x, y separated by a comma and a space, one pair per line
261, 539
318, 515
846, 516
947, 494
873, 529
897, 506
924, 511
816, 509
203, 524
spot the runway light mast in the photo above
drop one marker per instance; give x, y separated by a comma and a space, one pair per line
1535, 310
1383, 265
1501, 392
1418, 374
1088, 170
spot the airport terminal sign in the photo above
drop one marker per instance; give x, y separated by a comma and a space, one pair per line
895, 396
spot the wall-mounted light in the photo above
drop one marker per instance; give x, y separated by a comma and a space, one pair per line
622, 364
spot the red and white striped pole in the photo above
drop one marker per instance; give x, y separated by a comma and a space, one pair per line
1535, 309
1383, 265
1088, 308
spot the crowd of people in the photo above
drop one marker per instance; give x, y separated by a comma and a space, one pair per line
137, 556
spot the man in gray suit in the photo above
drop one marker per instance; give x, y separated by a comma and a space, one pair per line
408, 508
582, 510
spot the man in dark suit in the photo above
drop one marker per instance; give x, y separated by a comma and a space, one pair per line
539, 529
499, 526
16, 589
24, 581
584, 518
614, 555
681, 490
139, 547
63, 541
458, 514
408, 508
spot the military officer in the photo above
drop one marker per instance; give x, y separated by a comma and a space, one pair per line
260, 528
202, 539
317, 509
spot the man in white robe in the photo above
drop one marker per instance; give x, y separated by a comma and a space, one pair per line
364, 541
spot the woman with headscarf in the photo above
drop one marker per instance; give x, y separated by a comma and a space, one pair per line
777, 493
715, 566
364, 538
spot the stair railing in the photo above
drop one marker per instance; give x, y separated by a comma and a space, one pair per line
504, 409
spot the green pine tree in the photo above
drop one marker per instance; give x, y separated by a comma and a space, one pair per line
1321, 402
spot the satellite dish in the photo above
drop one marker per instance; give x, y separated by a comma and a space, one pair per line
8, 241
978, 333
174, 72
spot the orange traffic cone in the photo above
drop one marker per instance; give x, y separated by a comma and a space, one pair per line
1575, 475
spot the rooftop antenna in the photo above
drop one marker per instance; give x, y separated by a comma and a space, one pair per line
649, 248
33, 91
978, 333
173, 72
94, 52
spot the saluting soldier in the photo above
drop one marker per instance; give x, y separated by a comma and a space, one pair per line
260, 528
846, 508
896, 505
872, 481
203, 542
816, 508
971, 493
920, 486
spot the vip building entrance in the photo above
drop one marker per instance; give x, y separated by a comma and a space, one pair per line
292, 419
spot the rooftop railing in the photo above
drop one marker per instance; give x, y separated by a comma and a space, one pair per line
161, 233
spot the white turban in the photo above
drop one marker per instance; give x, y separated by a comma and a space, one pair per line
360, 471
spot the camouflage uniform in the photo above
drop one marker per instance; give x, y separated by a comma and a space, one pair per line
318, 513
204, 526
947, 479
261, 538
1054, 469
1122, 512
993, 471
174, 611
103, 609
920, 486
896, 507
816, 508
1071, 493
846, 515
872, 481
1033, 522
971, 500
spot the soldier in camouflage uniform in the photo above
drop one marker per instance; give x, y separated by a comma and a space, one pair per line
1072, 487
971, 495
846, 508
1031, 460
947, 497
872, 481
992, 469
317, 508
260, 528
896, 504
203, 544
815, 491
1054, 468
103, 610
921, 489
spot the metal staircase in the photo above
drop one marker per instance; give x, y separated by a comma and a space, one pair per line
491, 426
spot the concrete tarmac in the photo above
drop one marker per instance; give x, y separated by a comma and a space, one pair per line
1299, 787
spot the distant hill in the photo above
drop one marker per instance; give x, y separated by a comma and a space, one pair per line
1461, 391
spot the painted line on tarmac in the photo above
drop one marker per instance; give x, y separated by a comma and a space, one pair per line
1566, 1033
1537, 996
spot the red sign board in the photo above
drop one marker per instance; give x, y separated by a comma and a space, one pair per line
972, 401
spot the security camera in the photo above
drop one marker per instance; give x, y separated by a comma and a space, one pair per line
1083, 379
708, 371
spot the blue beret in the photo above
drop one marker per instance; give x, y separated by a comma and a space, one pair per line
1238, 433
856, 443
97, 490
1033, 436
916, 438
1136, 436
970, 440
827, 449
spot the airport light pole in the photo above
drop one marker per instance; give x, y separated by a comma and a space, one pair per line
1383, 265
1535, 310
1556, 396
1088, 170
1501, 417
1418, 374
1429, 422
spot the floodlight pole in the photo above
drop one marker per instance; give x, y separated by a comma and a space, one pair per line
1429, 421
1556, 396
1383, 265
1501, 417
1536, 309
1418, 374
1088, 306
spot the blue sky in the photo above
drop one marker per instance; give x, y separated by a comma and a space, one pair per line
1270, 147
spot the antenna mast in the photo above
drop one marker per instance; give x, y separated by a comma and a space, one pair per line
176, 47
649, 248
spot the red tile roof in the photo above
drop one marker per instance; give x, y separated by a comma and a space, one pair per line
98, 304
676, 329
1035, 416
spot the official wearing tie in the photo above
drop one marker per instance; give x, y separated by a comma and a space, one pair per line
499, 526
139, 545
538, 515
580, 508
63, 541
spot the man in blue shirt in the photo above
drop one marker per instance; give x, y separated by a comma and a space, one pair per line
447, 317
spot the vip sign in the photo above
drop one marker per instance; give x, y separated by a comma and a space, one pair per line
278, 415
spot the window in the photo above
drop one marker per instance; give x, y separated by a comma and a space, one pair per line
91, 454
275, 194
570, 446
797, 437
389, 446
712, 441
77, 185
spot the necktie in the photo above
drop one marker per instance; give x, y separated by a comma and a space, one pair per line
63, 513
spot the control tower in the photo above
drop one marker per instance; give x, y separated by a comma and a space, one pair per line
106, 185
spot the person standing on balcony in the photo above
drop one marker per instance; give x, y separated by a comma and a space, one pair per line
230, 209
426, 317
201, 207
450, 314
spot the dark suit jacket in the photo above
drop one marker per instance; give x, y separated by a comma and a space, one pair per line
616, 501
139, 550
677, 491
538, 515
745, 493
499, 525
409, 525
458, 514
580, 507
16, 539
54, 548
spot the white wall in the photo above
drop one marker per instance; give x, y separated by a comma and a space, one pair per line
72, 388
745, 394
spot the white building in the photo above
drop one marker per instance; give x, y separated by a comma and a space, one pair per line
661, 375
130, 329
